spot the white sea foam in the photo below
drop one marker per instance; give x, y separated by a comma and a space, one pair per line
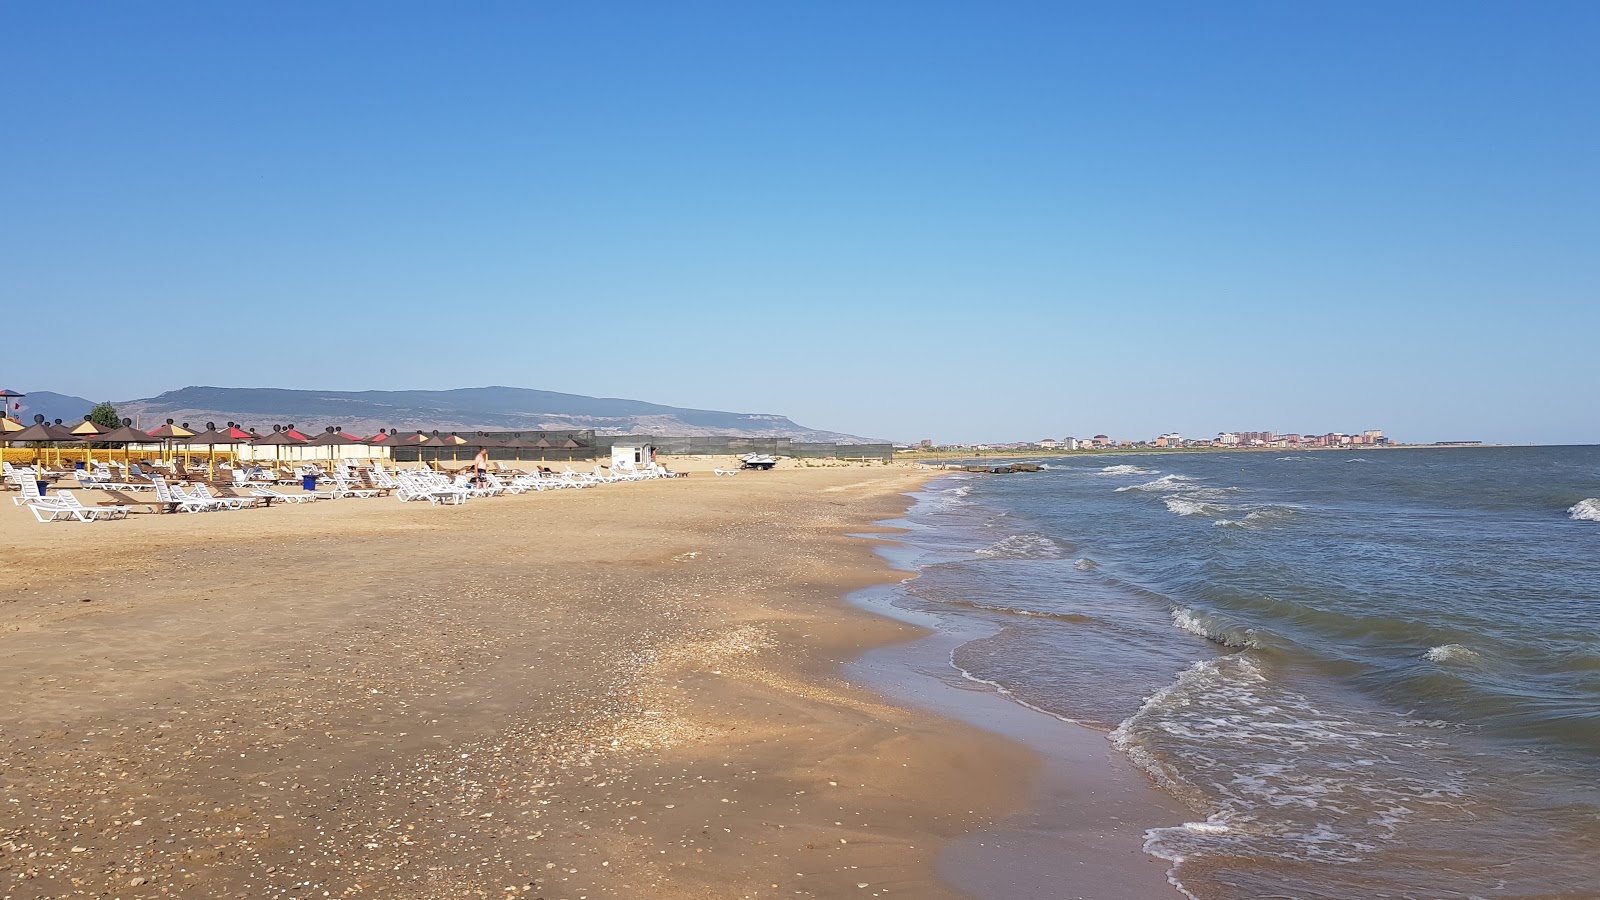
1279, 776
1164, 483
1585, 510
1128, 470
1208, 627
1258, 518
1451, 653
1185, 506
1025, 546
1085, 565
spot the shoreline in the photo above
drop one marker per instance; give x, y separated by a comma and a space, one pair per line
1083, 833
635, 690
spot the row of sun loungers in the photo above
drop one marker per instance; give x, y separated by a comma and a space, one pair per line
407, 485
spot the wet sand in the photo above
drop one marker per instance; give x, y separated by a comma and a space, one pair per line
635, 690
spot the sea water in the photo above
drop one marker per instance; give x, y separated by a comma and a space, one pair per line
1366, 674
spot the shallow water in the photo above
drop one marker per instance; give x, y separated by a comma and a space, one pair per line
1367, 674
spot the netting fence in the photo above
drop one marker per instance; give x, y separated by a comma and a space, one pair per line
571, 446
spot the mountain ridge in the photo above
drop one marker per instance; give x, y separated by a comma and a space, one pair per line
490, 408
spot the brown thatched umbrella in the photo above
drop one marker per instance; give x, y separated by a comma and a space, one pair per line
451, 440
171, 433
332, 437
87, 431
8, 426
124, 434
280, 437
213, 436
42, 432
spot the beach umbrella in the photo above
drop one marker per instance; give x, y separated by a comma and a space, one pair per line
9, 404
124, 434
88, 431
43, 432
517, 443
213, 436
169, 433
451, 440
410, 440
281, 438
332, 437
8, 426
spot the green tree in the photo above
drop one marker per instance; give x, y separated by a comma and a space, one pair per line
104, 415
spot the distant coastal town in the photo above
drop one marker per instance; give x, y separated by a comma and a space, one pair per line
1226, 440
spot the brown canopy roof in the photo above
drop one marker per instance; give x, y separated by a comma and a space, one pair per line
333, 438
170, 430
124, 435
280, 438
229, 435
45, 431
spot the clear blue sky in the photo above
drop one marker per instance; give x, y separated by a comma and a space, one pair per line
919, 219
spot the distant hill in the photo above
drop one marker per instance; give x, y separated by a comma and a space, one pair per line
462, 409
54, 406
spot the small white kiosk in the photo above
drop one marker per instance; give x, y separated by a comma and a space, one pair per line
632, 456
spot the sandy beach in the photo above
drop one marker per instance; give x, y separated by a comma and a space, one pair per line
629, 691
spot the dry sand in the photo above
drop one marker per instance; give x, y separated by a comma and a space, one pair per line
626, 691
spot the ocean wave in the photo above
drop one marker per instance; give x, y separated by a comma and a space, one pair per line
1085, 564
1358, 459
1258, 518
1164, 483
1074, 618
1276, 776
1186, 506
1128, 470
1585, 510
1208, 627
1451, 653
1005, 692
1025, 546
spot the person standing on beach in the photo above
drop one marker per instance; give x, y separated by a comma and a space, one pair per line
481, 464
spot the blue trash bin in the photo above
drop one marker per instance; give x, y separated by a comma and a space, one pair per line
309, 482
44, 486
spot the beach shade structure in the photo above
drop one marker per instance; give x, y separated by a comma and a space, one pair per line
8, 427
517, 443
11, 406
42, 432
169, 434
332, 437
125, 434
213, 437
88, 431
410, 440
542, 446
438, 441
280, 438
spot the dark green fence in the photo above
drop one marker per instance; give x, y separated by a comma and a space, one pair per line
571, 446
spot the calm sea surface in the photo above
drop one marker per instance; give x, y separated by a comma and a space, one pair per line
1367, 674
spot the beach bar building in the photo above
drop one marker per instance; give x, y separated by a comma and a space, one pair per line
632, 454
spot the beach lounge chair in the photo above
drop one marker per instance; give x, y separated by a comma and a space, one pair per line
69, 500
177, 499
287, 498
200, 490
343, 488
30, 489
51, 511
